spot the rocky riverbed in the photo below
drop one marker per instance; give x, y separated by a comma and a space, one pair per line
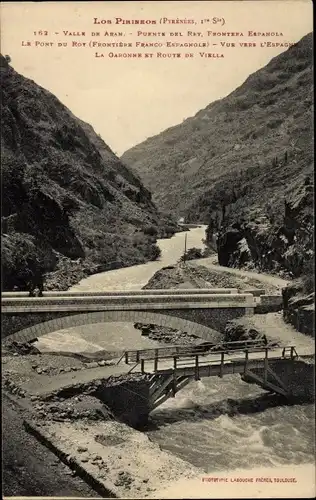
72, 418
84, 432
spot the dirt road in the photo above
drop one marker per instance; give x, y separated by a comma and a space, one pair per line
266, 279
271, 324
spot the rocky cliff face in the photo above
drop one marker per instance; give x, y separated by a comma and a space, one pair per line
243, 165
299, 304
285, 247
269, 244
66, 196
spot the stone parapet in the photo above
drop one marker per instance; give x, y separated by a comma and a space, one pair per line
125, 302
111, 293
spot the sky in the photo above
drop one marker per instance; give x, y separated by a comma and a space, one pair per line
127, 100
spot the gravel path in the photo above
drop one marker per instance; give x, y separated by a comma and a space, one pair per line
46, 385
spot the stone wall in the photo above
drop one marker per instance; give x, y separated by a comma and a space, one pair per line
302, 318
299, 307
269, 303
213, 318
12, 323
128, 400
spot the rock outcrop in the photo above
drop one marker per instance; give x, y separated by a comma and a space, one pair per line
285, 246
243, 331
244, 166
299, 305
66, 197
166, 335
271, 245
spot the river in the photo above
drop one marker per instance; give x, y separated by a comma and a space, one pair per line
135, 277
215, 424
117, 336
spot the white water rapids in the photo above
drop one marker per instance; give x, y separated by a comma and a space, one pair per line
215, 424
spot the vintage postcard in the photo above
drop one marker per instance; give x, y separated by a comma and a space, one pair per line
157, 249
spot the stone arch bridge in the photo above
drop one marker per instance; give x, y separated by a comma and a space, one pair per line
202, 312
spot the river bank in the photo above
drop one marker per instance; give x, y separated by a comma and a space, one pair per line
92, 338
194, 274
210, 410
262, 431
211, 426
135, 277
82, 432
127, 462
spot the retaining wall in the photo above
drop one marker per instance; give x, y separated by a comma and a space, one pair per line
128, 400
269, 303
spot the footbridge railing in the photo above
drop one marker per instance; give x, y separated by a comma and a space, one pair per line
204, 348
172, 368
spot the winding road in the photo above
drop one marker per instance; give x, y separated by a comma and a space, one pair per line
272, 324
266, 279
32, 470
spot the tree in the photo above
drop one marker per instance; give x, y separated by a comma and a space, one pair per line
155, 252
150, 231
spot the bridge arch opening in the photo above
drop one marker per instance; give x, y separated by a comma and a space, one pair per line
41, 328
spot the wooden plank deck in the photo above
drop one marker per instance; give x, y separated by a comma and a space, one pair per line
171, 371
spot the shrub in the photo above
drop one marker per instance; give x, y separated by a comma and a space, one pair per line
151, 231
208, 251
308, 273
155, 252
23, 260
192, 253
170, 230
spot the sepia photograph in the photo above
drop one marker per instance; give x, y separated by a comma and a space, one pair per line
157, 249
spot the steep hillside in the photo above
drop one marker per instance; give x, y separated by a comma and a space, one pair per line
69, 206
252, 147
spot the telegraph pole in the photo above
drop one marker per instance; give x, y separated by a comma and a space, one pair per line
185, 247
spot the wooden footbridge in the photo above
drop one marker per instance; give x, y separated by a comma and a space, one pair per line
172, 368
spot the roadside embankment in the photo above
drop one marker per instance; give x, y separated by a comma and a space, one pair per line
30, 469
121, 459
208, 269
298, 297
